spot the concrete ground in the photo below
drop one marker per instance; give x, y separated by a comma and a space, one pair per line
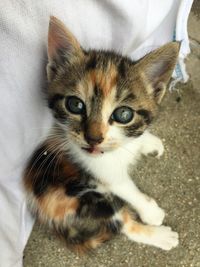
174, 181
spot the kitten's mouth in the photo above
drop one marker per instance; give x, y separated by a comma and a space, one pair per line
93, 150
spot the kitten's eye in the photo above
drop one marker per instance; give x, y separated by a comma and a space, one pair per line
75, 105
123, 115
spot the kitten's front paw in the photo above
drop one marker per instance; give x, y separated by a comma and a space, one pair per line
164, 238
154, 147
152, 214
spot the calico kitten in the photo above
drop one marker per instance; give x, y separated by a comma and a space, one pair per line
77, 181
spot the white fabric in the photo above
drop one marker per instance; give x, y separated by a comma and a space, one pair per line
131, 27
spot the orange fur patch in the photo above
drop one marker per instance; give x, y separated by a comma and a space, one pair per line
69, 170
56, 204
92, 243
132, 226
105, 80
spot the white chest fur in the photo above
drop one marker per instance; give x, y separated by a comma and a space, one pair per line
112, 170
110, 167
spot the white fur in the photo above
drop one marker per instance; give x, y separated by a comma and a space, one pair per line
151, 144
111, 169
159, 236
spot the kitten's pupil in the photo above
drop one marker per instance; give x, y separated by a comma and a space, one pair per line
122, 115
75, 105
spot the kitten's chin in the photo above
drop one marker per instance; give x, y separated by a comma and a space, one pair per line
93, 150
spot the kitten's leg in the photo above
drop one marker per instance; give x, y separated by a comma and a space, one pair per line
146, 207
151, 144
62, 198
159, 236
79, 221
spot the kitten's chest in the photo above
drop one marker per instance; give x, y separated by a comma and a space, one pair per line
112, 167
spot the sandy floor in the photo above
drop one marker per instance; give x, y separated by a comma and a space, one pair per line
174, 181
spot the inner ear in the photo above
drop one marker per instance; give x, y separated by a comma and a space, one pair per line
159, 91
157, 67
62, 46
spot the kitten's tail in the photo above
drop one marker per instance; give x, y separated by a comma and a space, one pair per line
92, 242
84, 240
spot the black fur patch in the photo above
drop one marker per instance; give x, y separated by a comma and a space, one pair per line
38, 157
122, 68
54, 99
130, 97
76, 187
99, 206
133, 130
41, 184
97, 92
103, 209
92, 63
114, 227
96, 102
46, 172
73, 188
90, 203
147, 115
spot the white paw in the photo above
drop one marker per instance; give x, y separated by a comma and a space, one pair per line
163, 237
159, 148
152, 214
153, 147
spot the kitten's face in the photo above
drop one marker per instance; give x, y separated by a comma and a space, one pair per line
101, 99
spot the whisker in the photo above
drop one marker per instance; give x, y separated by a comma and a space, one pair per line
57, 164
51, 148
57, 155
40, 155
56, 147
49, 165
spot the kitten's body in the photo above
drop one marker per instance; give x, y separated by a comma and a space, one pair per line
78, 180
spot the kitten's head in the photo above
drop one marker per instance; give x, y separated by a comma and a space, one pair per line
100, 98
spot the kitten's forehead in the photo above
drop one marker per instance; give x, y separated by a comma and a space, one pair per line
101, 92
105, 76
104, 79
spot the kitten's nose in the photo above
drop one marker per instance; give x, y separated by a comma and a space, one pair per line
93, 140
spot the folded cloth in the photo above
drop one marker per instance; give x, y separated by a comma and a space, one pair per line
130, 27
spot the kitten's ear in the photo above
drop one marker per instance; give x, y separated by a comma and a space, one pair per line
156, 69
62, 45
